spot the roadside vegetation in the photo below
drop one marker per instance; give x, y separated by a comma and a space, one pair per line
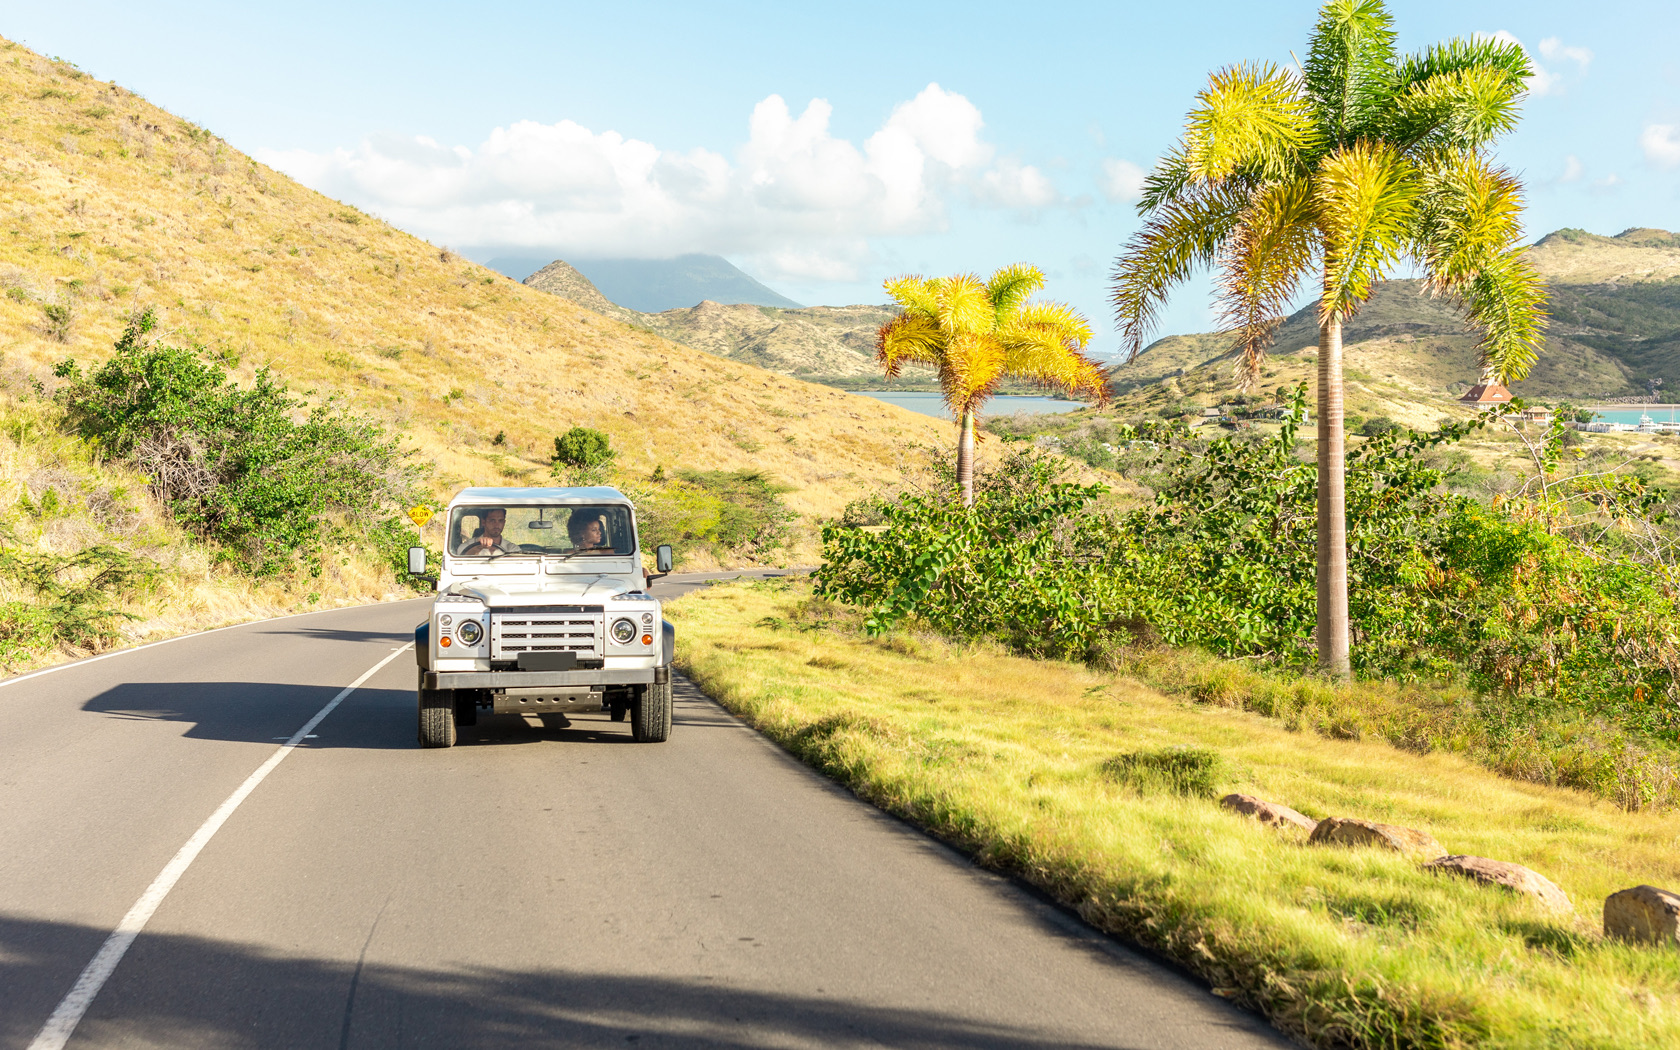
1535, 632
152, 494
1101, 792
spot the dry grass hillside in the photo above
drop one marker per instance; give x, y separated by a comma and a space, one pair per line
110, 203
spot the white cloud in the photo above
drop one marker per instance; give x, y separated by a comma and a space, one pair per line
1554, 49
1572, 169
1548, 81
1661, 143
795, 196
1121, 181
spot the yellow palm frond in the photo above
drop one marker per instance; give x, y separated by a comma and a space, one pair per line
1273, 247
970, 372
909, 338
1366, 197
964, 305
1248, 118
1067, 324
913, 292
1038, 357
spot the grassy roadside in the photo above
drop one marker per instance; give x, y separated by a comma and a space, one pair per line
1015, 761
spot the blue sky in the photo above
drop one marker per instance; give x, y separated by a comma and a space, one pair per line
942, 137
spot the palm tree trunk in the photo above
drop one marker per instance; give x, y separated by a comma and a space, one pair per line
965, 459
1332, 506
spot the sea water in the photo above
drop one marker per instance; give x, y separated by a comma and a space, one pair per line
931, 404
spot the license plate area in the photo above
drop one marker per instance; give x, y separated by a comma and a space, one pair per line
545, 698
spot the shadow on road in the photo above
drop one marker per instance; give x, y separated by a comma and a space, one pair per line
189, 991
378, 719
264, 712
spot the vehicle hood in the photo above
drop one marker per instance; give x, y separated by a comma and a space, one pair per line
535, 590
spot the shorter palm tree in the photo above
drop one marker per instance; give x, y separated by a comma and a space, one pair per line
977, 334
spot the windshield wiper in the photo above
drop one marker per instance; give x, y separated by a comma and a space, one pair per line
582, 550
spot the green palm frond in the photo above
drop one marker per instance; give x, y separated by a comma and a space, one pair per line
1175, 238
1461, 110
1249, 118
1470, 215
1275, 244
1349, 72
1458, 55
1166, 183
1506, 300
1366, 195
1010, 286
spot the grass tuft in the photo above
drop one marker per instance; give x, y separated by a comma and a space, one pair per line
1194, 772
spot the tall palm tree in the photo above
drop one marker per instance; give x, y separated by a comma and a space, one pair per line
978, 334
1355, 163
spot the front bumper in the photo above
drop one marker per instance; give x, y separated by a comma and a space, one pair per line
536, 679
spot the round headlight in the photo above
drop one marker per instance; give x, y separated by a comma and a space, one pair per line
469, 632
445, 620
647, 619
623, 632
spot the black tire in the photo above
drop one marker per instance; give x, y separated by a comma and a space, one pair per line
650, 714
466, 707
437, 718
617, 712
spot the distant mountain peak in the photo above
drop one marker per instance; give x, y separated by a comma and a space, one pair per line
651, 286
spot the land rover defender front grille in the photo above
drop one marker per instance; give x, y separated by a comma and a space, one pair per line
575, 629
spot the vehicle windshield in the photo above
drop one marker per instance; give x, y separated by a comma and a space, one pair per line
512, 530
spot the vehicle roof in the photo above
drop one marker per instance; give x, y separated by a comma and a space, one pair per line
546, 497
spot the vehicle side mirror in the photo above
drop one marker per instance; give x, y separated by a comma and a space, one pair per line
662, 558
416, 561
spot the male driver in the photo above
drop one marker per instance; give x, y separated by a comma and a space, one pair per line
488, 539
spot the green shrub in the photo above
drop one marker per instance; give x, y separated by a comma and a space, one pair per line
73, 598
231, 464
582, 456
1376, 426
730, 513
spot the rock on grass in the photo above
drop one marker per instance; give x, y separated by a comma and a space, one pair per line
1345, 831
1644, 914
1268, 812
1513, 877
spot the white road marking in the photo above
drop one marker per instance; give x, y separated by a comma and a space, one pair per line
59, 1027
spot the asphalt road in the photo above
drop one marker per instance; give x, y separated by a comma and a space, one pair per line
531, 887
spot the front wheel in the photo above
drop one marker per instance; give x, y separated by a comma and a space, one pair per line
650, 714
437, 718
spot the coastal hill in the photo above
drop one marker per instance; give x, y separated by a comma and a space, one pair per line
830, 344
1615, 323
